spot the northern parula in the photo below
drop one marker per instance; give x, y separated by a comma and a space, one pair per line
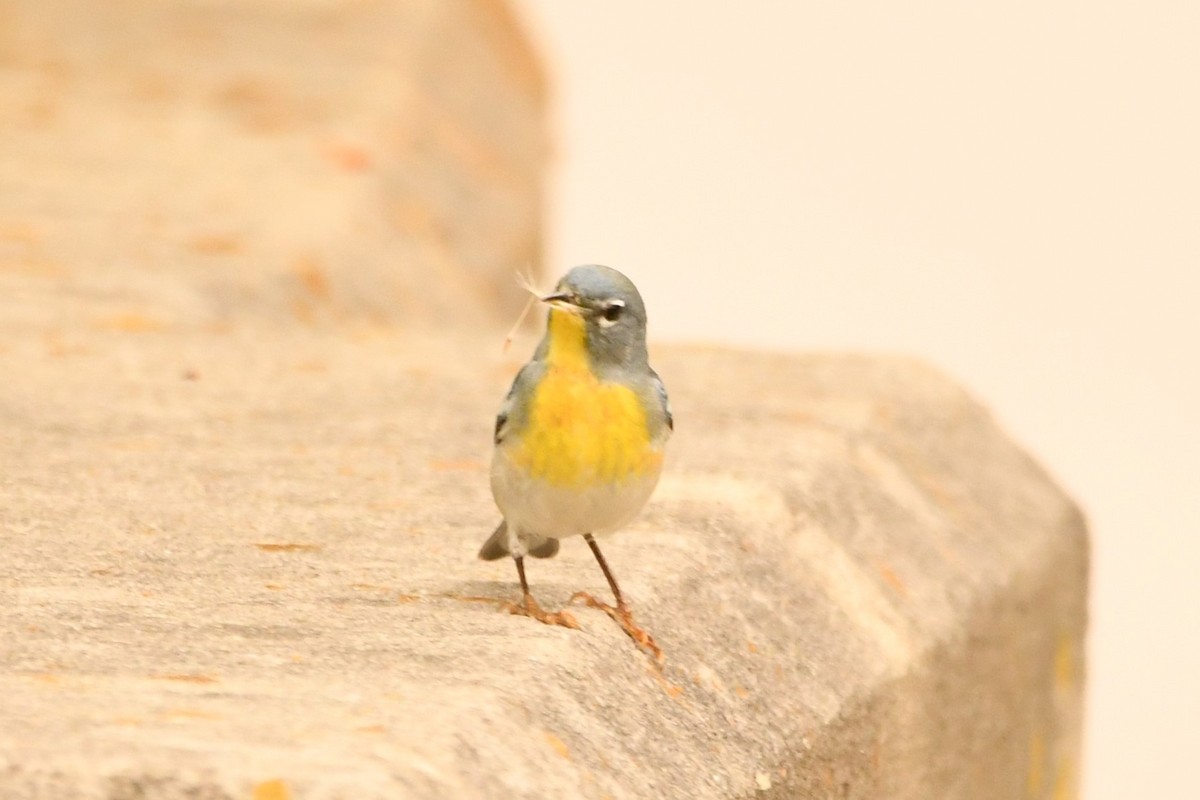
580, 438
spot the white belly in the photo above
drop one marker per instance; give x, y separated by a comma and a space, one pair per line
535, 509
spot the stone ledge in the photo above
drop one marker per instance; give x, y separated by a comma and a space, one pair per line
196, 162
244, 562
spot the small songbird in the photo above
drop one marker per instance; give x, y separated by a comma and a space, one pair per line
581, 435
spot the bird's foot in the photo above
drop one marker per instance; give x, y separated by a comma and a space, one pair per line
529, 608
621, 614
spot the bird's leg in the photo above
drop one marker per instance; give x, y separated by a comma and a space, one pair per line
620, 613
529, 607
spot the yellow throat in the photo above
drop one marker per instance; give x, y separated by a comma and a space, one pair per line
583, 431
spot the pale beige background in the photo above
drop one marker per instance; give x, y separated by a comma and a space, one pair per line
1009, 189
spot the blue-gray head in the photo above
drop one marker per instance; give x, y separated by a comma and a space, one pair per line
606, 308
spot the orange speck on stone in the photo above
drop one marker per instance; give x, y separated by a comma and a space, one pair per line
471, 598
741, 691
130, 322
893, 580
22, 232
312, 278
1037, 764
287, 547
558, 744
1064, 781
751, 647
350, 157
215, 244
187, 678
272, 790
1064, 662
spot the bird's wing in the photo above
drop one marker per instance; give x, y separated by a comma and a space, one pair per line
665, 402
522, 387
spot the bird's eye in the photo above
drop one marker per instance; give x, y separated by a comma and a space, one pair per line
613, 310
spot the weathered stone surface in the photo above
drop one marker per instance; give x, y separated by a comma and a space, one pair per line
237, 558
238, 552
190, 161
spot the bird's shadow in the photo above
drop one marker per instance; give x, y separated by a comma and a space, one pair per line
501, 593
381, 595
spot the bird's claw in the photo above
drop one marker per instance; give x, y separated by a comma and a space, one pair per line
529, 607
621, 614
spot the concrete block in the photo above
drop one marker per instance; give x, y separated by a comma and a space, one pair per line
242, 565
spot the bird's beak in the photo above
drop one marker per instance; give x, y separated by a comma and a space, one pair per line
562, 301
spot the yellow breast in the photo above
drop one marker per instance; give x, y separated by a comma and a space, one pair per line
580, 430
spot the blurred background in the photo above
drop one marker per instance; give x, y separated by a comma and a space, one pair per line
1008, 190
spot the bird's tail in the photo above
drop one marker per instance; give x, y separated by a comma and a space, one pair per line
496, 545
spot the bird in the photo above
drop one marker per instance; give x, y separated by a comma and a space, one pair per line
580, 437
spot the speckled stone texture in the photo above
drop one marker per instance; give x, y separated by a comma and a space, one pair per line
252, 261
194, 161
244, 557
